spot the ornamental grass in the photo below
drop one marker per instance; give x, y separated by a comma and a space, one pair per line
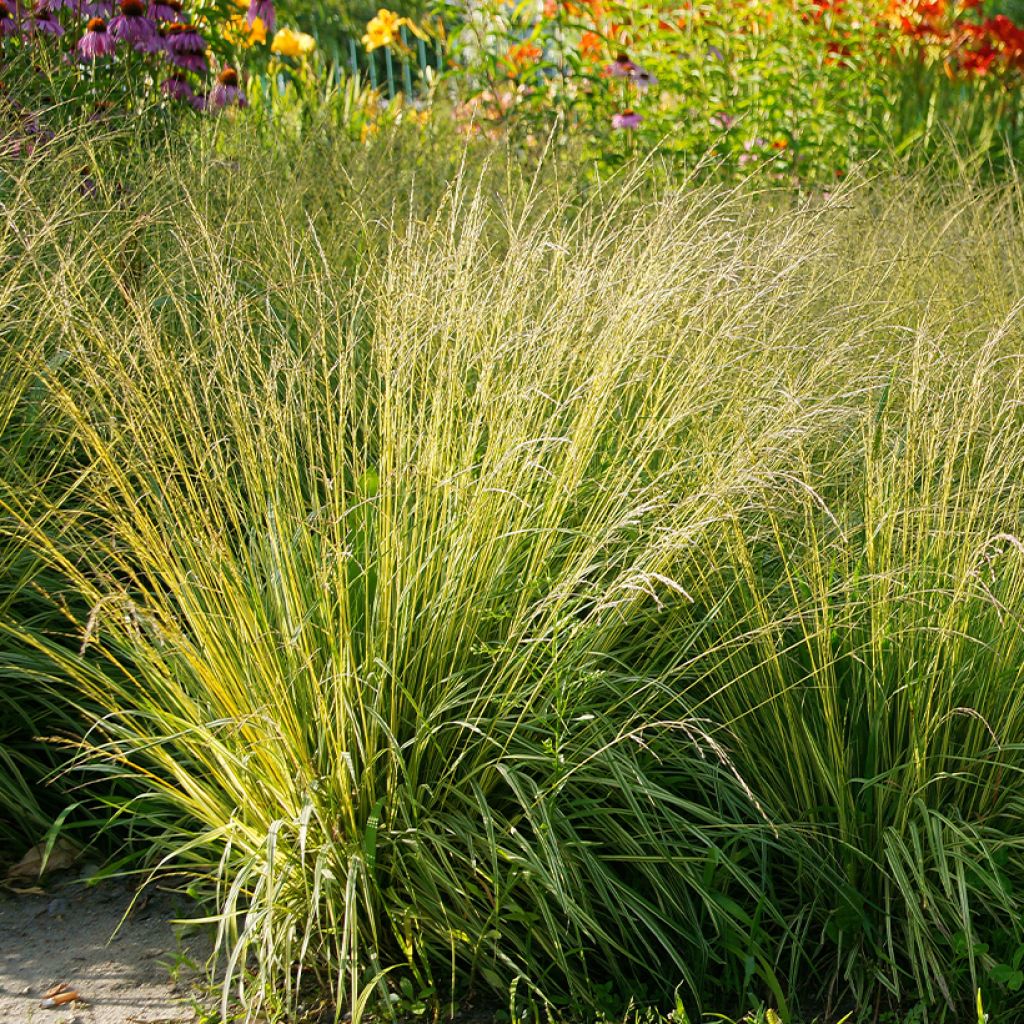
584, 593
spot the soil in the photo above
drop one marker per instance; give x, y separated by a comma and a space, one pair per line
139, 970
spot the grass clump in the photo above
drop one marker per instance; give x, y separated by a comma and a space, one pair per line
495, 589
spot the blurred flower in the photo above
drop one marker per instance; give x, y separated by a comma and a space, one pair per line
46, 22
97, 41
621, 67
383, 30
290, 43
1008, 34
8, 26
643, 78
978, 62
751, 148
723, 122
483, 113
177, 87
239, 32
628, 119
132, 26
225, 92
522, 55
590, 44
186, 48
166, 10
261, 10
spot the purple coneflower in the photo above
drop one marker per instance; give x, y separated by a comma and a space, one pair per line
45, 22
166, 10
186, 48
642, 78
723, 122
132, 26
621, 67
8, 23
96, 8
157, 42
627, 119
97, 41
177, 87
264, 10
225, 91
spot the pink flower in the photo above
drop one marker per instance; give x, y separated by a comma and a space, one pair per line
722, 121
225, 91
751, 151
177, 87
97, 41
628, 119
186, 48
45, 22
165, 10
132, 25
621, 67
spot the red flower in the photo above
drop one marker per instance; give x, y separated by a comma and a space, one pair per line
1008, 33
837, 52
978, 62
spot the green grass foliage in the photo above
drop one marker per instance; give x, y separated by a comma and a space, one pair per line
493, 582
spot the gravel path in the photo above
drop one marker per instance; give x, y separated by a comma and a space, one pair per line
66, 935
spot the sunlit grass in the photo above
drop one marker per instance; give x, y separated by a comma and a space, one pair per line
494, 588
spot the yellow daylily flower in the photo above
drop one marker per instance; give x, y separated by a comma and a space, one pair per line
290, 43
383, 29
239, 32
